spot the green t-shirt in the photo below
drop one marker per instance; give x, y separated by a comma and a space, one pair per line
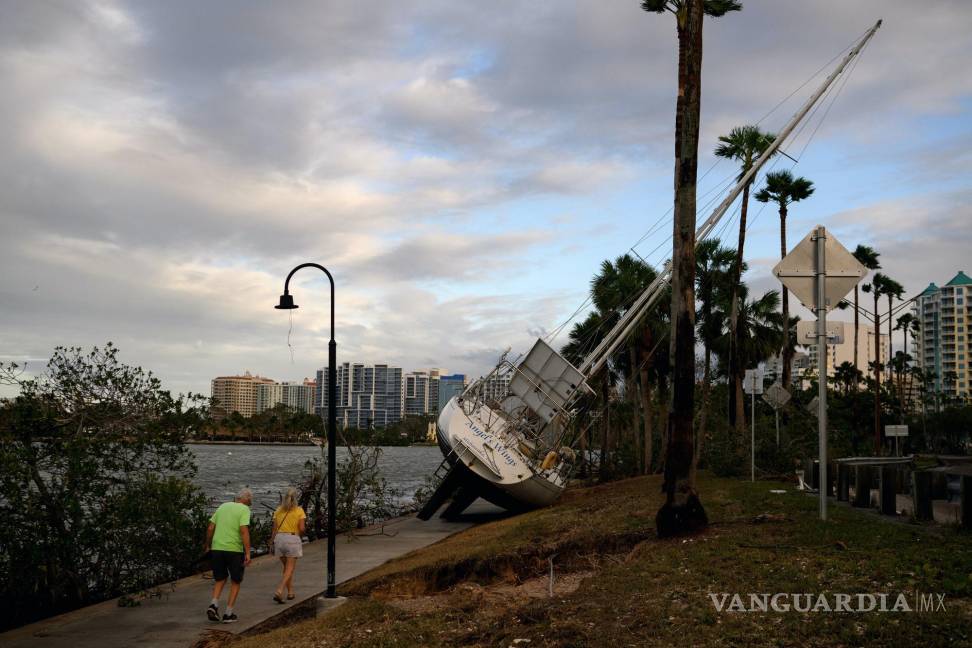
228, 518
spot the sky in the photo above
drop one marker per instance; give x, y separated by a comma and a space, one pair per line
461, 168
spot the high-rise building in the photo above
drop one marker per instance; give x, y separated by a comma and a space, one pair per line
367, 395
236, 394
945, 335
449, 386
416, 393
497, 386
838, 354
297, 396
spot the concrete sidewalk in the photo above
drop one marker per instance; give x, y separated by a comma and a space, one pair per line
179, 616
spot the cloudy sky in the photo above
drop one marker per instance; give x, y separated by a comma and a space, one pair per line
461, 167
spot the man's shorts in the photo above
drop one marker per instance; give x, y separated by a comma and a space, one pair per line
227, 563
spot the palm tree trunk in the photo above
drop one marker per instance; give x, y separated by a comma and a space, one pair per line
857, 327
787, 353
890, 342
737, 370
703, 429
638, 406
602, 468
682, 511
877, 374
648, 422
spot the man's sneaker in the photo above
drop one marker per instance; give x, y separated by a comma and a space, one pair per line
229, 618
212, 612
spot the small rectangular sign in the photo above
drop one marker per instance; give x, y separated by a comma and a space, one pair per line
753, 382
895, 430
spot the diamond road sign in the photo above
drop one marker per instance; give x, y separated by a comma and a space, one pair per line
796, 271
776, 396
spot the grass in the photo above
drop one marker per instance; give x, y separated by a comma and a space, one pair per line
618, 585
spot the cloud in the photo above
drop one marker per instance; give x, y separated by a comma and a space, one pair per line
165, 164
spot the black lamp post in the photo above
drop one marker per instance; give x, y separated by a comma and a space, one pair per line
287, 303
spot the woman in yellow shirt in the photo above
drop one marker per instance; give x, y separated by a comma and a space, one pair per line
289, 523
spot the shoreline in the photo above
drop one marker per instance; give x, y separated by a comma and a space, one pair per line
263, 443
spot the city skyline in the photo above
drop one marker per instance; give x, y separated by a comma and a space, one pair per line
164, 170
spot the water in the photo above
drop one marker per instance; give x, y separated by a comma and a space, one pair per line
268, 470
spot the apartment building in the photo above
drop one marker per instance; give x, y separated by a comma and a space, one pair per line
838, 354
449, 387
945, 335
236, 394
367, 395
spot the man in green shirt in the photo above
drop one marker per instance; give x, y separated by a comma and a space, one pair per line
228, 541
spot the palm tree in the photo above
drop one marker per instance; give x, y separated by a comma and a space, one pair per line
744, 144
682, 511
760, 329
583, 338
611, 291
879, 283
847, 374
783, 189
893, 290
868, 257
904, 324
712, 264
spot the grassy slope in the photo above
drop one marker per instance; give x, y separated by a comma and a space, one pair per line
643, 591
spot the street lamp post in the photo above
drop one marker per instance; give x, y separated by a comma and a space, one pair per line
287, 303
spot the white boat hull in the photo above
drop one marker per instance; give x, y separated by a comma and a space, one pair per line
494, 463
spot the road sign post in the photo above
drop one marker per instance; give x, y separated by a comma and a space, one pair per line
753, 384
896, 431
820, 271
776, 397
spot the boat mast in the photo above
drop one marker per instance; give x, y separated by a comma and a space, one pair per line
599, 357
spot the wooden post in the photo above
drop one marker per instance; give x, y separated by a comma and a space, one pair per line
966, 502
921, 493
887, 491
815, 474
831, 473
862, 486
843, 482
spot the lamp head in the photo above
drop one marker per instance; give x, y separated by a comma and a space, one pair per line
286, 302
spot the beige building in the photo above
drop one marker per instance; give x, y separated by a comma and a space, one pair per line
236, 394
837, 354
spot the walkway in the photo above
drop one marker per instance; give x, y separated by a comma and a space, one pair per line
178, 617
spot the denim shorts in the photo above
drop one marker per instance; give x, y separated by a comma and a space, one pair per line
287, 545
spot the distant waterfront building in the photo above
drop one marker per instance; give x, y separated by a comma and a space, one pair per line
773, 369
945, 335
450, 386
268, 396
367, 395
416, 394
236, 394
838, 354
497, 386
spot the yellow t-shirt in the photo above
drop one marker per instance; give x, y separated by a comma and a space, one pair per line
288, 521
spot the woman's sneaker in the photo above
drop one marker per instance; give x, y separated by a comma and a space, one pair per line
230, 618
212, 612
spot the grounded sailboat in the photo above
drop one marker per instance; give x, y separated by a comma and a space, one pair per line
512, 449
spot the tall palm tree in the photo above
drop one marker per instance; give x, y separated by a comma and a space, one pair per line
893, 290
744, 144
783, 189
868, 257
759, 334
682, 511
712, 288
877, 287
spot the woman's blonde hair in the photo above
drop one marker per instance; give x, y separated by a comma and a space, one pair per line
289, 501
